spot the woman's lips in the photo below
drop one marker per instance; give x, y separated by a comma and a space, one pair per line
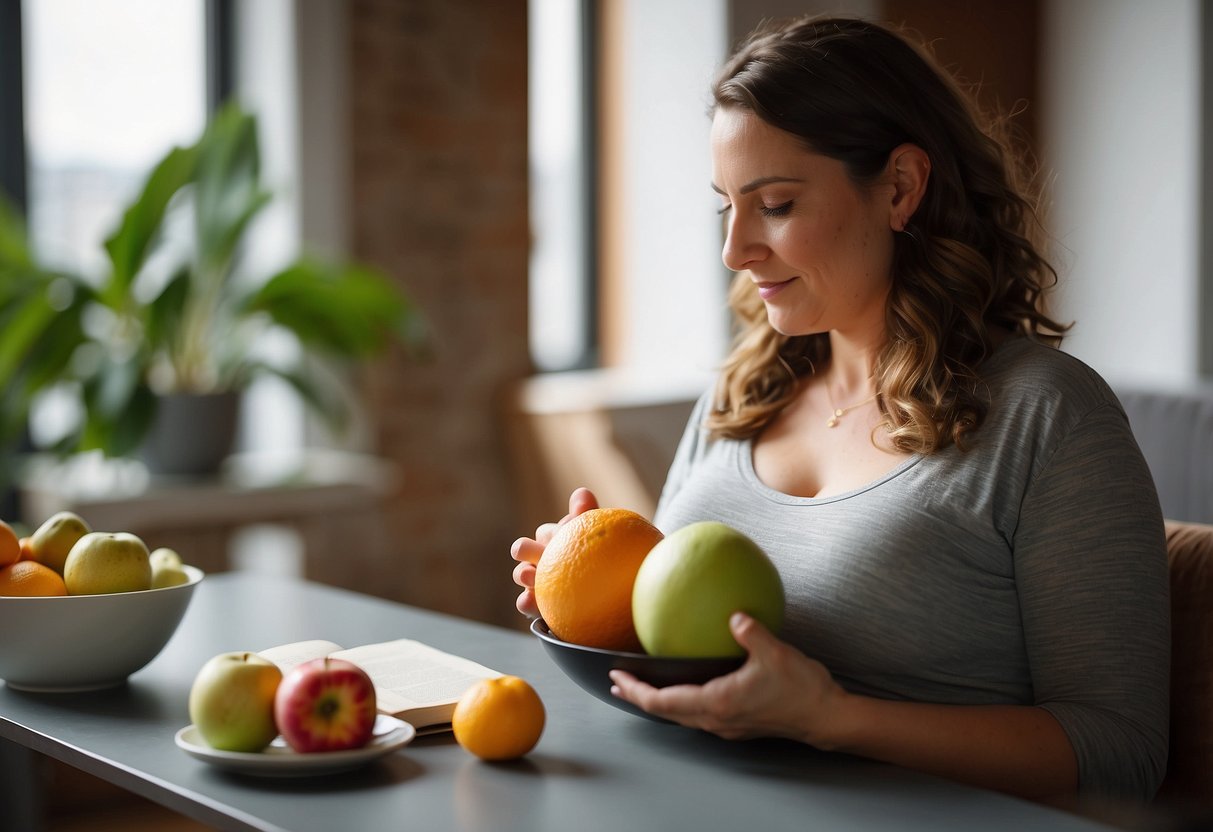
766, 291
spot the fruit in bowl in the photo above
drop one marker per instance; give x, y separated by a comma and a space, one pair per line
30, 578
583, 582
693, 581
11, 546
166, 568
52, 541
103, 562
86, 641
684, 589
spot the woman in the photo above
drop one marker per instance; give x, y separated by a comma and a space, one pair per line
969, 539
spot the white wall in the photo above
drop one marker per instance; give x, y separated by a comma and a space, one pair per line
1121, 136
674, 297
291, 71
675, 300
1120, 116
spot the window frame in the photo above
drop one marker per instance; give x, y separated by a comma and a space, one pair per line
220, 73
12, 101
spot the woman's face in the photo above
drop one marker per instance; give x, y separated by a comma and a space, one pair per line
818, 248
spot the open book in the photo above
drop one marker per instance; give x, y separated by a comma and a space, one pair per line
413, 681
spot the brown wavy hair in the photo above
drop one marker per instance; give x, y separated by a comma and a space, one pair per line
968, 266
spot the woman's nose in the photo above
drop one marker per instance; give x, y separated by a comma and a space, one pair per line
742, 247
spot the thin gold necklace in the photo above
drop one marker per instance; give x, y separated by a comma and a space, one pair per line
838, 412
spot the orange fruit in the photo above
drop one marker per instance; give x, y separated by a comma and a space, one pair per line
498, 719
583, 582
27, 549
10, 545
27, 577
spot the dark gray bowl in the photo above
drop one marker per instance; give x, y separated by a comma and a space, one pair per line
588, 667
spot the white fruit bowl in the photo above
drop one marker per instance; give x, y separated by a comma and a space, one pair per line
87, 642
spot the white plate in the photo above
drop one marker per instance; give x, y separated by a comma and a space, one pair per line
280, 760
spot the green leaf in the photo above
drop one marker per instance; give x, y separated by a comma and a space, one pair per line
345, 310
165, 312
14, 248
116, 437
50, 360
110, 390
119, 407
36, 336
24, 319
129, 246
228, 193
320, 397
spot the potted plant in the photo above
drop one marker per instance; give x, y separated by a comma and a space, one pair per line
174, 327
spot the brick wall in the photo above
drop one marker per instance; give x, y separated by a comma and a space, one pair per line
439, 198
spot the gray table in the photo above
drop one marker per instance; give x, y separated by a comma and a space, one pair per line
596, 768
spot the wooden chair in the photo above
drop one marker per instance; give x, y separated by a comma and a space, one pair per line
1189, 777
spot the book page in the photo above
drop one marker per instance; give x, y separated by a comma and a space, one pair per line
411, 676
288, 656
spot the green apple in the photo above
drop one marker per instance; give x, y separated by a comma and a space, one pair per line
167, 568
164, 556
232, 701
693, 581
104, 562
53, 540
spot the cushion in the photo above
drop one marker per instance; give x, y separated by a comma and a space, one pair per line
1190, 767
1175, 431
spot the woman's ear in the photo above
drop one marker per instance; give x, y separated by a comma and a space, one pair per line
910, 168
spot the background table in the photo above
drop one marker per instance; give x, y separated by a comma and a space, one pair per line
596, 768
332, 500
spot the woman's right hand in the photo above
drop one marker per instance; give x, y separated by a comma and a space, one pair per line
528, 550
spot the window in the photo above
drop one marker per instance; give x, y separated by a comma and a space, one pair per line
626, 268
562, 163
109, 87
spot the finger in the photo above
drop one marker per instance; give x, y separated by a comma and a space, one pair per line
544, 534
526, 604
680, 703
628, 687
581, 500
750, 633
526, 549
524, 575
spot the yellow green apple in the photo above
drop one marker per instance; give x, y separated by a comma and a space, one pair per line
105, 562
167, 568
53, 540
693, 581
232, 701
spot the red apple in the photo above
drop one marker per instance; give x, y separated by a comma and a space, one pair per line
326, 705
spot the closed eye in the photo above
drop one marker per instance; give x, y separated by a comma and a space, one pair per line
777, 210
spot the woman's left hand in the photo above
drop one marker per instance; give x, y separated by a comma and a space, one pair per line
778, 692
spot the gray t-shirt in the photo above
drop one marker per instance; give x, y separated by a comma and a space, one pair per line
1030, 569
